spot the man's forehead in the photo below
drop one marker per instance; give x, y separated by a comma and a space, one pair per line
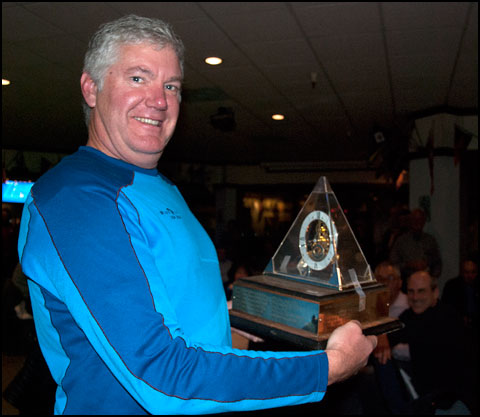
385, 271
469, 266
133, 58
419, 281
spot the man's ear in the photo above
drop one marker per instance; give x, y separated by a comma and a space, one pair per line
89, 89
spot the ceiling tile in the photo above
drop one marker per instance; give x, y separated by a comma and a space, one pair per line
23, 25
334, 19
423, 15
354, 47
279, 52
73, 17
427, 42
269, 25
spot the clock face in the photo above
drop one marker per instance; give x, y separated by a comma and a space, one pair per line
316, 240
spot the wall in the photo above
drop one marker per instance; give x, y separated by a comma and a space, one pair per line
435, 181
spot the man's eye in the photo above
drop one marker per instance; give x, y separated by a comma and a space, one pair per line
172, 87
136, 79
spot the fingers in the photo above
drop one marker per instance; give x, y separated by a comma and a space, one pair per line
373, 340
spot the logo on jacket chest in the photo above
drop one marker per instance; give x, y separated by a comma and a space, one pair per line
170, 213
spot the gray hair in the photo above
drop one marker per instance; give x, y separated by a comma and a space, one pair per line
102, 50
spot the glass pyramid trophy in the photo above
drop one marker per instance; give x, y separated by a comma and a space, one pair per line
317, 280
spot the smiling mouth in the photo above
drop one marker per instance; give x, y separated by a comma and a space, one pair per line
148, 121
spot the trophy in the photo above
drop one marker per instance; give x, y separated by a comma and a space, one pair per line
317, 280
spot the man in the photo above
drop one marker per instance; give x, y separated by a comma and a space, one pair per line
416, 250
125, 284
388, 274
440, 359
386, 360
463, 294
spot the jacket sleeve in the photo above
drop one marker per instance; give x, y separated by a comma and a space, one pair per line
86, 270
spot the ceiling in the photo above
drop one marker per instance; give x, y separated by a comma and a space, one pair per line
377, 64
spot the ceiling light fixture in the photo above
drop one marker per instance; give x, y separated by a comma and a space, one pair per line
5, 82
213, 60
278, 117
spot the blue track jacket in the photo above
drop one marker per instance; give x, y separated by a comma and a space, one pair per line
128, 300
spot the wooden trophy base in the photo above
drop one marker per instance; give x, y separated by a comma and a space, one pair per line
304, 314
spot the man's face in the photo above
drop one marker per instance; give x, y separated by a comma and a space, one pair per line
135, 113
386, 275
469, 271
417, 221
419, 292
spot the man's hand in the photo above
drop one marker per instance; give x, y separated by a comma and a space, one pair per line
382, 352
348, 350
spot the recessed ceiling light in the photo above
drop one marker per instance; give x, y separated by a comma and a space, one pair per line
5, 82
213, 60
278, 117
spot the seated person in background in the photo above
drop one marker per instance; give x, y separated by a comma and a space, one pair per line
440, 360
389, 274
384, 359
462, 293
416, 250
397, 226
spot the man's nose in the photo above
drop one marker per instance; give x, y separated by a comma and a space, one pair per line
414, 296
157, 98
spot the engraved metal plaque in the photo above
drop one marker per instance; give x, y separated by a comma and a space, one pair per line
317, 280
